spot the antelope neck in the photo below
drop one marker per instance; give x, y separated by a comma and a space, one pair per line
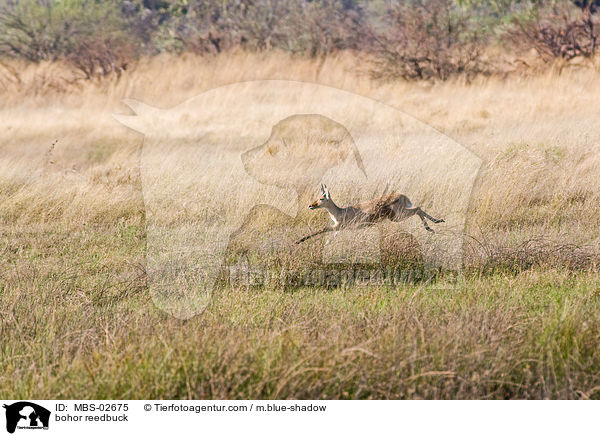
334, 211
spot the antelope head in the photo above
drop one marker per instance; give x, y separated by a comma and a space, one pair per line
323, 201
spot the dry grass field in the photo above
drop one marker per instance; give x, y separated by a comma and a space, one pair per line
78, 320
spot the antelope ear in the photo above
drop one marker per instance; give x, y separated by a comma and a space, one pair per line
326, 191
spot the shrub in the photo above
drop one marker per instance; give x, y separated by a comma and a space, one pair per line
557, 31
89, 34
427, 39
308, 27
99, 57
319, 28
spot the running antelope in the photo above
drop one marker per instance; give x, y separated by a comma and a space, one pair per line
395, 207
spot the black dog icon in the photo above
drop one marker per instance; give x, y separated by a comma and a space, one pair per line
30, 412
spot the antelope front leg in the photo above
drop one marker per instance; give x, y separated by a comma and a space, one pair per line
327, 229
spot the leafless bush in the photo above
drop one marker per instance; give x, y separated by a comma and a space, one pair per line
97, 58
559, 31
316, 29
209, 27
87, 34
426, 39
311, 28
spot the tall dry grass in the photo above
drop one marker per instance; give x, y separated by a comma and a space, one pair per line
75, 312
538, 136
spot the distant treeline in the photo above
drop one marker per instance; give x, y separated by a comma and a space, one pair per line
411, 39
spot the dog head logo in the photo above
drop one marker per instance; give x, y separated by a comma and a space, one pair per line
208, 162
26, 415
